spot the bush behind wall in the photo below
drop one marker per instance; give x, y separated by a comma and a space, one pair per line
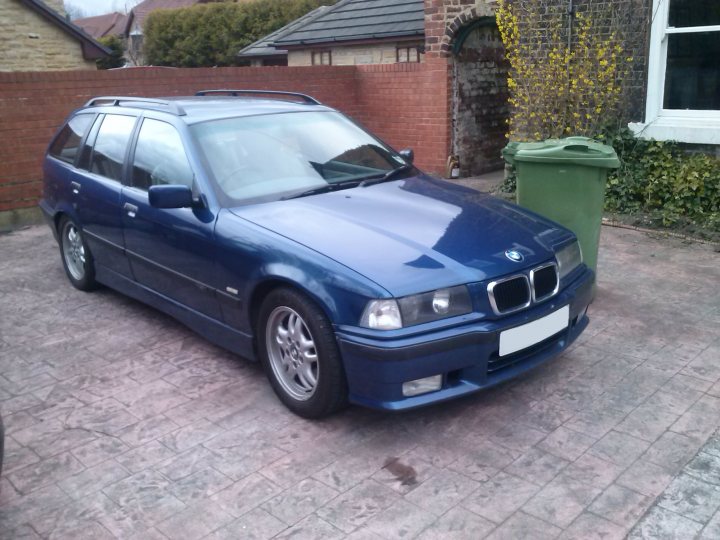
208, 35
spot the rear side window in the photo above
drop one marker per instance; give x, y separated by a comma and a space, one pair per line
66, 145
110, 146
160, 157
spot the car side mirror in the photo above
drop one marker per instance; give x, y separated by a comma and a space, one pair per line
171, 196
408, 155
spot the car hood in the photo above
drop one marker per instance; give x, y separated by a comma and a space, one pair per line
413, 235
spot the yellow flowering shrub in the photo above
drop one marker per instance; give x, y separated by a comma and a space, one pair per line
561, 82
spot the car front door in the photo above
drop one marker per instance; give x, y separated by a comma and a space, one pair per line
171, 251
96, 188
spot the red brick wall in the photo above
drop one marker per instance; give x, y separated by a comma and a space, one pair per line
406, 105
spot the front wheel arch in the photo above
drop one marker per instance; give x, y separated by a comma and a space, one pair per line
264, 288
331, 390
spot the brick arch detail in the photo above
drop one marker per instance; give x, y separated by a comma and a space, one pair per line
478, 11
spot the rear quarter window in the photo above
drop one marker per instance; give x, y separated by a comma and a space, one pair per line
65, 147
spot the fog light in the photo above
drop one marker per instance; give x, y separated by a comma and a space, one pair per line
422, 386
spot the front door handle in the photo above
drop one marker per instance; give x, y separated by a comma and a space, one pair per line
131, 209
75, 187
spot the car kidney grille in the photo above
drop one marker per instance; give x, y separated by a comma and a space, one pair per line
511, 294
518, 292
544, 282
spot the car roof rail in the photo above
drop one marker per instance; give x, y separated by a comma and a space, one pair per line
307, 99
118, 101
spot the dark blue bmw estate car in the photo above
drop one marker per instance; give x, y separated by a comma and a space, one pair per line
277, 228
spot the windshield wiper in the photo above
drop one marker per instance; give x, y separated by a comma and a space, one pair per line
335, 186
385, 177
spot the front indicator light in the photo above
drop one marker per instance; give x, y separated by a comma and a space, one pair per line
569, 258
382, 315
422, 386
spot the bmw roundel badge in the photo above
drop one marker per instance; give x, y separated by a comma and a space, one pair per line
514, 255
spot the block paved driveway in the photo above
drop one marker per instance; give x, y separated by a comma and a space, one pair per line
122, 423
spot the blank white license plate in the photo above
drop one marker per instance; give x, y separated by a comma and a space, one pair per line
521, 337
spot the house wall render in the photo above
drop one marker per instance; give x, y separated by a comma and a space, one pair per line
352, 55
28, 41
404, 104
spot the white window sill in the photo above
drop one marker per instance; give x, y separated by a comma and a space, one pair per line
681, 129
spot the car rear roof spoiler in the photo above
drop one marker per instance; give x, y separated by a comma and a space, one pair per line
119, 101
307, 99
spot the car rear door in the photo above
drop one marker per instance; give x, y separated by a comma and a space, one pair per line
171, 251
96, 188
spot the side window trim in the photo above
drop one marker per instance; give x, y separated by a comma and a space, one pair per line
92, 132
130, 154
84, 138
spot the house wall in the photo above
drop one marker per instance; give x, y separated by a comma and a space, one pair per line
445, 18
407, 105
29, 42
354, 55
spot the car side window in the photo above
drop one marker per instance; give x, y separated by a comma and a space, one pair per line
66, 145
160, 157
110, 146
86, 151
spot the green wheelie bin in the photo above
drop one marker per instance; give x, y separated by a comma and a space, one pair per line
564, 180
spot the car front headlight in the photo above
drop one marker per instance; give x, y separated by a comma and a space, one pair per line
569, 258
382, 315
417, 309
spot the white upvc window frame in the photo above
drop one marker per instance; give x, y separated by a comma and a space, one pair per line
690, 126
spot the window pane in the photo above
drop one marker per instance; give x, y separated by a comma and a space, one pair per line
692, 79
110, 146
269, 156
160, 157
403, 54
694, 13
66, 145
86, 152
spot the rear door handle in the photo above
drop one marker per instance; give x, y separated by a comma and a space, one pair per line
75, 187
131, 209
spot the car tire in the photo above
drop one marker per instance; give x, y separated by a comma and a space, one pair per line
76, 257
298, 350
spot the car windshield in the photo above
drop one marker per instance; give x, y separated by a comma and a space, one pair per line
279, 156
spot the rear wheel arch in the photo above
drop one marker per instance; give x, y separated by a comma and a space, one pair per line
57, 218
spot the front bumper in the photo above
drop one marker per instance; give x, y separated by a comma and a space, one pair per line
466, 355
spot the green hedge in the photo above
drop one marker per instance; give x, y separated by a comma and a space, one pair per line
664, 179
209, 35
116, 58
669, 184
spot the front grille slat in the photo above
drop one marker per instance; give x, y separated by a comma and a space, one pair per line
544, 281
510, 295
518, 292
